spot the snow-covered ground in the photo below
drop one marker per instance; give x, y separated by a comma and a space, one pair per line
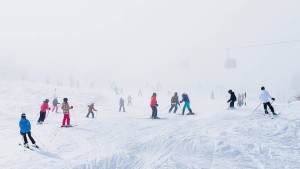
214, 138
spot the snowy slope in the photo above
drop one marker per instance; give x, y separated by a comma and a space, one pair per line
215, 138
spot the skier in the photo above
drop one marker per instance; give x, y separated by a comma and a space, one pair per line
154, 105
66, 110
116, 90
240, 100
129, 100
186, 100
140, 93
55, 103
212, 97
174, 102
91, 109
44, 108
121, 104
25, 128
264, 98
245, 99
232, 99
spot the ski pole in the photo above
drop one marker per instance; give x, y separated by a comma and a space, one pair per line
164, 109
38, 139
48, 113
74, 117
257, 107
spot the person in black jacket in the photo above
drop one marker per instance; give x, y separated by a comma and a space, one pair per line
232, 99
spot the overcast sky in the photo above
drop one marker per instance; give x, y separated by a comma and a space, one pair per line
139, 41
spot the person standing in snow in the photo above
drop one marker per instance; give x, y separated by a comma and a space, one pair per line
232, 99
240, 100
140, 93
186, 100
174, 102
129, 100
44, 108
25, 129
66, 110
91, 109
121, 103
153, 105
212, 96
55, 103
264, 98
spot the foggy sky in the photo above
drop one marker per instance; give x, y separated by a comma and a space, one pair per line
137, 41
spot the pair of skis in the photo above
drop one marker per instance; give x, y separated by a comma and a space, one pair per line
29, 147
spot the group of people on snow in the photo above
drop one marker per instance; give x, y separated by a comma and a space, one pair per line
174, 104
25, 126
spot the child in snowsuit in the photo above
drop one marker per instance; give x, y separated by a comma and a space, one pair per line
55, 103
91, 109
186, 100
44, 108
25, 128
66, 110
174, 103
153, 105
122, 104
264, 98
232, 99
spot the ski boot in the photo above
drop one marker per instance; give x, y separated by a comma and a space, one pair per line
36, 146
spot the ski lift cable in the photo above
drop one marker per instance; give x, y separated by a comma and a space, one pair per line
261, 45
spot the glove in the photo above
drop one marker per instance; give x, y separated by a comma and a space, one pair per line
20, 133
273, 99
156, 105
49, 108
71, 107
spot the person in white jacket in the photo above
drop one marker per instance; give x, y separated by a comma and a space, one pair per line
264, 98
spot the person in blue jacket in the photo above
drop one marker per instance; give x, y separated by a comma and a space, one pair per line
186, 100
25, 129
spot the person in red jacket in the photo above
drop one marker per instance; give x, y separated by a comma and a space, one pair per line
44, 108
153, 105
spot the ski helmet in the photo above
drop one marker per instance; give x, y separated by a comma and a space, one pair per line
262, 88
230, 91
23, 115
65, 99
47, 100
176, 94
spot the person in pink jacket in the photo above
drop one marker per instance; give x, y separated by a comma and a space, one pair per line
44, 108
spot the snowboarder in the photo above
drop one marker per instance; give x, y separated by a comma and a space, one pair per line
121, 105
174, 102
44, 108
264, 98
91, 109
153, 105
25, 129
232, 99
55, 103
129, 100
186, 100
66, 110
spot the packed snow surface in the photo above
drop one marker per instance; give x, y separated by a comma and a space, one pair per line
214, 138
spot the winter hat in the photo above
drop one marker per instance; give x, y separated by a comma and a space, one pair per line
262, 88
176, 94
47, 100
23, 115
65, 99
230, 91
154, 94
